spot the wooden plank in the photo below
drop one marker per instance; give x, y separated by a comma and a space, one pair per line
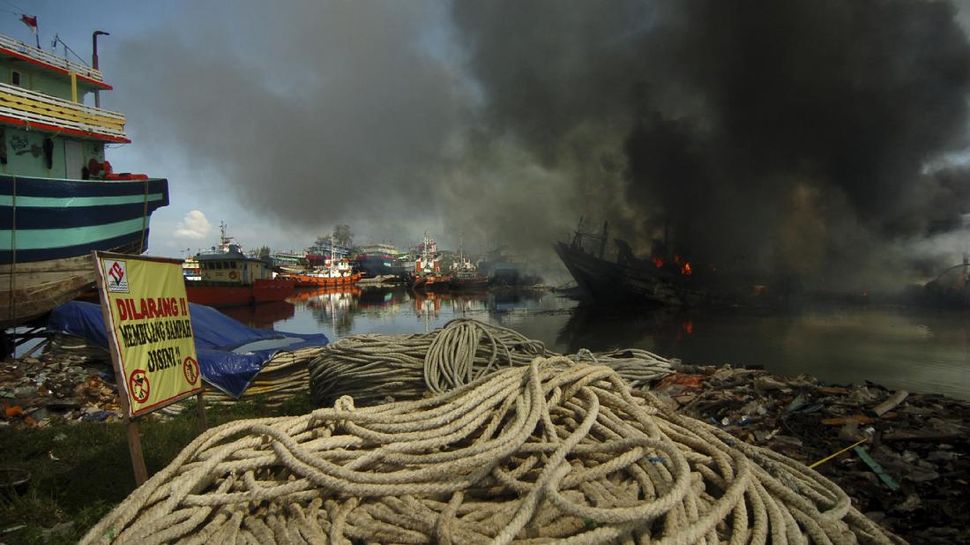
889, 404
200, 407
32, 113
841, 420
55, 101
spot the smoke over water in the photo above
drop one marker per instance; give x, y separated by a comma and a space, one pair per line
786, 137
818, 139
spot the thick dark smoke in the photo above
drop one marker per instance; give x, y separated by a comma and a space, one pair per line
789, 137
820, 139
313, 114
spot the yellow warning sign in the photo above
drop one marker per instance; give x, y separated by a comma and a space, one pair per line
149, 330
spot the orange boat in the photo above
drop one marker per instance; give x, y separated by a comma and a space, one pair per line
335, 272
322, 279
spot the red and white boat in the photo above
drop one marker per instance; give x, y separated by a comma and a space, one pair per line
335, 272
427, 268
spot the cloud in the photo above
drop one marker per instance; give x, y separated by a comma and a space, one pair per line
194, 226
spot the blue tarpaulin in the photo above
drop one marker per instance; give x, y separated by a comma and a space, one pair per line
230, 353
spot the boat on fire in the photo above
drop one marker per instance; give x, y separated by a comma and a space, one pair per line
662, 279
231, 278
60, 199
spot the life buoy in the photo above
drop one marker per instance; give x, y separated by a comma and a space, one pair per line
232, 275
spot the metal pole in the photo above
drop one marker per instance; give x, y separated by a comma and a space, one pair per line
94, 61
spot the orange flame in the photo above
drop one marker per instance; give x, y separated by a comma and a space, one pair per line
686, 270
657, 261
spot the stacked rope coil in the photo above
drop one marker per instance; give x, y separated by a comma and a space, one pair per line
285, 376
553, 452
378, 368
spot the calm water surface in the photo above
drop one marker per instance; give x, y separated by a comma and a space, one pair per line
901, 348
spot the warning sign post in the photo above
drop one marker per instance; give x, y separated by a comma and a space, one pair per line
146, 315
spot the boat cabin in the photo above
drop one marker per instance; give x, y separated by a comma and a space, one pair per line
46, 129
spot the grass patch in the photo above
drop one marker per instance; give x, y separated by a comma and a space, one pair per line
80, 471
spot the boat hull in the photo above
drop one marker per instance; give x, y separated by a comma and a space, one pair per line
474, 283
605, 281
226, 295
49, 227
430, 282
311, 281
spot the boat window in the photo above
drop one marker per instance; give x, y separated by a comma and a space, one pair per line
15, 77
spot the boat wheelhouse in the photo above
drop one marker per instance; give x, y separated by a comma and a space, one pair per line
60, 199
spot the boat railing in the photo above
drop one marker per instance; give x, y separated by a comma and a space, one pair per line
34, 107
46, 57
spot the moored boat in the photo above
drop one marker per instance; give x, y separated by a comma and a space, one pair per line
59, 197
336, 271
378, 261
465, 275
230, 278
427, 268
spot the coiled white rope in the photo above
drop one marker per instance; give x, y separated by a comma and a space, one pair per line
553, 452
377, 368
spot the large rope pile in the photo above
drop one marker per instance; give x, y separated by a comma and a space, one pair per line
379, 368
554, 452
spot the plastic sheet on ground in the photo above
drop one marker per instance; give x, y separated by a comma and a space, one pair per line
230, 353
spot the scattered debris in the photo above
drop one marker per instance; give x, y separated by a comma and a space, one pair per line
918, 442
63, 382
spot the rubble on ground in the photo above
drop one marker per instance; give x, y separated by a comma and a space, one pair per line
919, 449
67, 381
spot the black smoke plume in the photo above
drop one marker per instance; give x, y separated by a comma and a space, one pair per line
795, 137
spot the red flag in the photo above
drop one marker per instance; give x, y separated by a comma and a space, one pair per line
30, 21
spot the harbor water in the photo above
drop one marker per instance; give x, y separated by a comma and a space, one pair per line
917, 350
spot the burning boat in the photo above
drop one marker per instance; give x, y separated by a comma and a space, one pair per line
59, 197
666, 279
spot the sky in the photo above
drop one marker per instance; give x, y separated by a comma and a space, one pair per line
790, 136
172, 59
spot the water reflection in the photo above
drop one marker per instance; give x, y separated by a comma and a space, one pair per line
263, 315
900, 348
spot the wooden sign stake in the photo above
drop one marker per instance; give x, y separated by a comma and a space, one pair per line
131, 423
134, 447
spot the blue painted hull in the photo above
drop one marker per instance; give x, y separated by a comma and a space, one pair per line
48, 228
43, 219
